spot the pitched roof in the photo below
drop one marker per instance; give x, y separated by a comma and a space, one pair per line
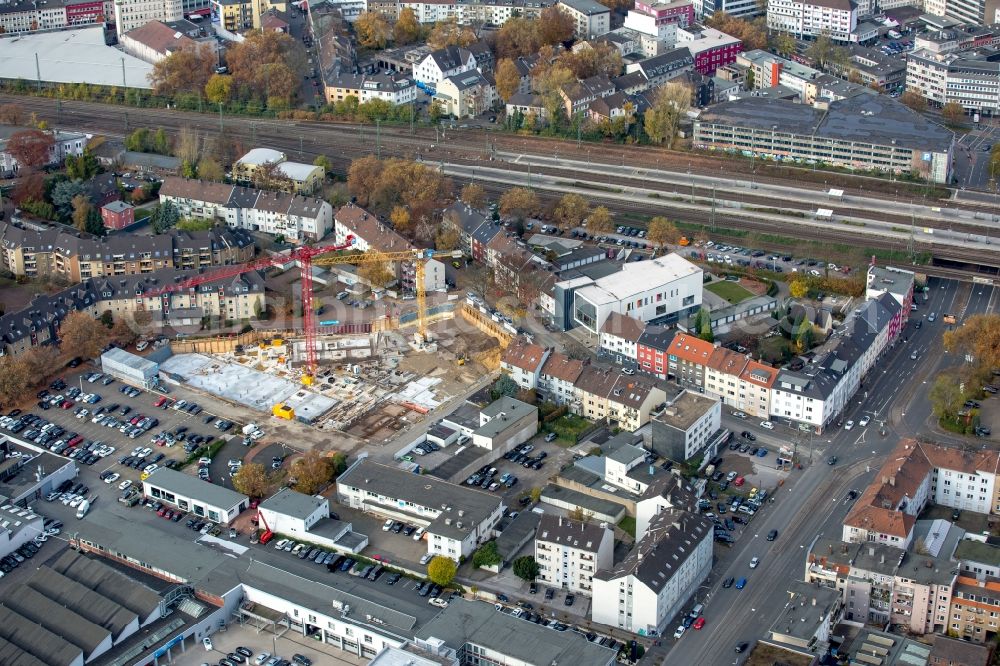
524, 355
196, 190
759, 374
623, 326
366, 226
563, 367
573, 533
161, 38
691, 349
879, 507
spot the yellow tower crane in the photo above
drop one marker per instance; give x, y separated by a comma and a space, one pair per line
419, 259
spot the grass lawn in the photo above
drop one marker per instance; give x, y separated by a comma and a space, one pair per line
627, 524
731, 291
568, 428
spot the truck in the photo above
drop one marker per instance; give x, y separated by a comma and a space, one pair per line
82, 510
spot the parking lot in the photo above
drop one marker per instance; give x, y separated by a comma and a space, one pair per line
224, 642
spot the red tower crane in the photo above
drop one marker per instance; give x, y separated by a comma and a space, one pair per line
303, 254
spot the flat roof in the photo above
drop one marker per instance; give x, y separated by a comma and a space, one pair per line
440, 496
595, 505
466, 622
71, 56
187, 485
802, 617
638, 277
976, 551
503, 413
686, 410
292, 503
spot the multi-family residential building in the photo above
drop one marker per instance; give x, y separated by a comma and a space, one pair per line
975, 609
393, 87
686, 360
651, 350
897, 282
812, 18
523, 361
443, 63
672, 557
973, 12
117, 215
710, 48
863, 132
957, 38
689, 426
370, 234
578, 95
590, 18
272, 170
663, 67
971, 79
64, 144
744, 9
624, 400
466, 95
25, 15
61, 254
569, 552
620, 337
740, 382
132, 14
295, 217
492, 12
558, 377
475, 229
457, 519
665, 289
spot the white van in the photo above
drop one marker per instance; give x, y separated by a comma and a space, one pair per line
82, 510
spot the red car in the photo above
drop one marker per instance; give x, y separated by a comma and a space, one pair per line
699, 623
162, 511
66, 404
159, 403
135, 419
76, 440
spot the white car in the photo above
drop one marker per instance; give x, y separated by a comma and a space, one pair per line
865, 420
261, 658
739, 415
848, 425
111, 479
680, 631
125, 485
75, 502
386, 526
207, 642
754, 562
439, 602
767, 425
425, 558
142, 345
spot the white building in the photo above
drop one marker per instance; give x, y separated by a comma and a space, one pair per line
686, 427
504, 424
590, 18
443, 63
570, 552
457, 519
18, 526
665, 288
812, 18
619, 337
672, 558
192, 495
557, 382
292, 513
65, 143
393, 87
969, 79
897, 282
523, 361
131, 14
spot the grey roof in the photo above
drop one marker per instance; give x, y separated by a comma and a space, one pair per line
425, 491
502, 413
128, 359
805, 613
517, 532
686, 410
976, 551
588, 7
573, 533
594, 505
866, 119
293, 503
626, 453
657, 337
34, 639
664, 63
82, 600
67, 624
469, 623
187, 485
118, 206
108, 582
673, 535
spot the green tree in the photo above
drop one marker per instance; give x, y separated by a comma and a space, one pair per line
525, 568
325, 162
161, 144
804, 339
536, 494
82, 167
784, 44
487, 555
63, 195
504, 386
163, 217
705, 328
662, 120
946, 395
441, 570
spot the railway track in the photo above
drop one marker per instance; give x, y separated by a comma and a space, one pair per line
342, 142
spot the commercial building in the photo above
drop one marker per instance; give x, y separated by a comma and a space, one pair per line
971, 79
307, 518
812, 18
590, 18
569, 552
672, 557
20, 464
58, 253
18, 525
504, 424
973, 12
662, 289
132, 14
129, 368
689, 426
710, 48
477, 633
457, 519
270, 169
297, 218
864, 132
156, 40
192, 495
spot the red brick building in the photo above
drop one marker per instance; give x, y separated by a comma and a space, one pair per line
118, 215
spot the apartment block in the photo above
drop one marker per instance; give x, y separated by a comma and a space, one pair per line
689, 426
710, 48
590, 18
863, 132
812, 18
570, 552
295, 217
971, 79
975, 609
686, 360
26, 16
393, 87
626, 401
132, 14
740, 382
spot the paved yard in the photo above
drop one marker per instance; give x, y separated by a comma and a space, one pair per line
265, 641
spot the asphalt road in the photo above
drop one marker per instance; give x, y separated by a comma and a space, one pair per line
813, 503
971, 161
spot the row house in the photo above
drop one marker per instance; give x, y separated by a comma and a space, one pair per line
624, 400
652, 350
515, 269
297, 218
686, 359
56, 252
475, 230
523, 362
558, 377
620, 336
740, 382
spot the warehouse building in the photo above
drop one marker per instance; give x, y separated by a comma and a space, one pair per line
307, 518
190, 494
861, 133
129, 368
